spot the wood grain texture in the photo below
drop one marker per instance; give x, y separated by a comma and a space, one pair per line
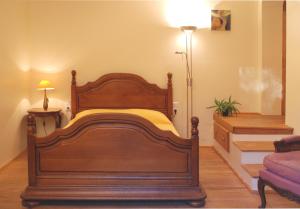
283, 76
254, 124
45, 112
221, 185
221, 135
113, 156
255, 146
121, 90
253, 169
55, 113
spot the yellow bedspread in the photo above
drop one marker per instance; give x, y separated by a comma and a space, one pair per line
155, 117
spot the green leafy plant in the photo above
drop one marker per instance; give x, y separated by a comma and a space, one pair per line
225, 107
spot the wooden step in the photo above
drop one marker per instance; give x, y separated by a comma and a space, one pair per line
254, 123
253, 169
255, 146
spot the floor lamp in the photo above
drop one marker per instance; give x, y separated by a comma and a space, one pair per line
188, 53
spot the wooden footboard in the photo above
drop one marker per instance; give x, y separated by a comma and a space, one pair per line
113, 157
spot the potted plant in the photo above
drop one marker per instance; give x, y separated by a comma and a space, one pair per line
225, 107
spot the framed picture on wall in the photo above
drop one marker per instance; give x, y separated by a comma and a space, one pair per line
221, 20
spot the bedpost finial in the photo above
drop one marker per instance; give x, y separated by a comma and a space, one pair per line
74, 77
170, 78
31, 125
195, 131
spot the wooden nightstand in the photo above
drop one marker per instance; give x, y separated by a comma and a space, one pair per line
51, 112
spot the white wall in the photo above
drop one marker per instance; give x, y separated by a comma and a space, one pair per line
14, 67
293, 66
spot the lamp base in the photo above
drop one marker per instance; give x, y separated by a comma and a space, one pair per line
46, 101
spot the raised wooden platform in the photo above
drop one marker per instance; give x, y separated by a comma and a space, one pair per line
255, 146
243, 140
253, 169
254, 123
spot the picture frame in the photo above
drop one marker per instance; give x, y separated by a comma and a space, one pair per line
221, 20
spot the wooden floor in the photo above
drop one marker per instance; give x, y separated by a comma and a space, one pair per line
223, 188
253, 169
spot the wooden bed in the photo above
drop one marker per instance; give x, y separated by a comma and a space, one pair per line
114, 156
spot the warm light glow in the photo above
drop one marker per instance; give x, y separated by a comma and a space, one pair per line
259, 81
181, 39
23, 65
49, 64
45, 85
50, 69
189, 12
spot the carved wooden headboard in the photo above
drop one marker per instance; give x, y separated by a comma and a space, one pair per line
121, 90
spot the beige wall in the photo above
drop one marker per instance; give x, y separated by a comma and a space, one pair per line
14, 68
293, 66
102, 37
271, 57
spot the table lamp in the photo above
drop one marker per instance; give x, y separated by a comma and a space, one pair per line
45, 85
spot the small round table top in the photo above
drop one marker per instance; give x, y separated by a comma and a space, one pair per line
41, 110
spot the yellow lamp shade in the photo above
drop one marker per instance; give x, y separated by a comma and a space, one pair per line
45, 85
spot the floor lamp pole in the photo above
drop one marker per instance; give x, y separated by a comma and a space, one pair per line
188, 30
188, 77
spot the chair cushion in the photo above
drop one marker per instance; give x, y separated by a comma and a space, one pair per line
286, 165
280, 182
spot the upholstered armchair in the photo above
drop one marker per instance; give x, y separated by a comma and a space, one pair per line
282, 170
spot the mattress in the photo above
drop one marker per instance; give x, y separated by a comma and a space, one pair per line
156, 118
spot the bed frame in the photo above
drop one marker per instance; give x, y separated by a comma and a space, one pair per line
121, 90
114, 156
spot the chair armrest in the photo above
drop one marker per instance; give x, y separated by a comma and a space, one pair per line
288, 144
